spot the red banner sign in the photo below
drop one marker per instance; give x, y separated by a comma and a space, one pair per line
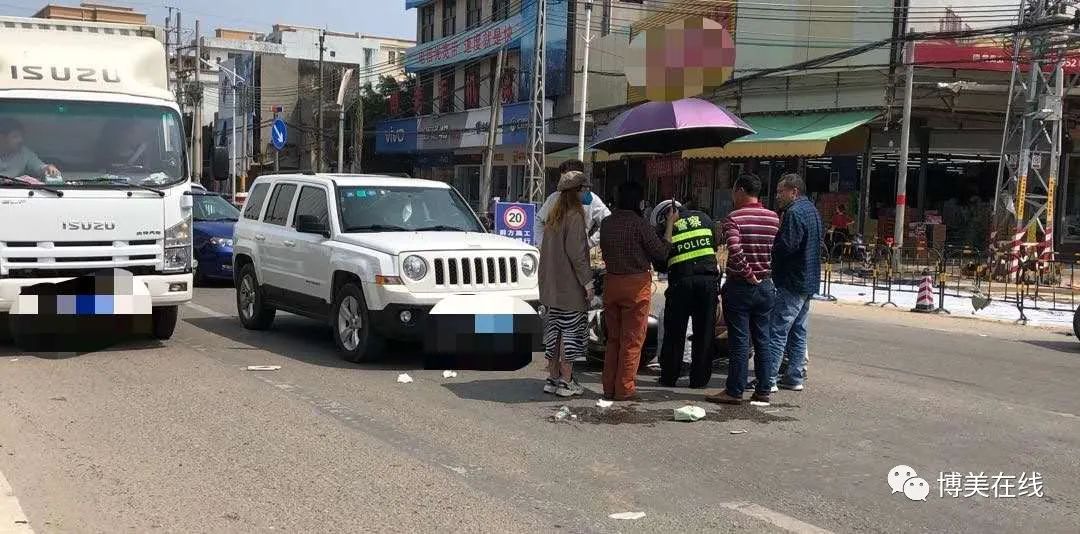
658, 169
947, 55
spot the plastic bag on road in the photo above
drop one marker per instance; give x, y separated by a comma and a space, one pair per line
404, 378
689, 413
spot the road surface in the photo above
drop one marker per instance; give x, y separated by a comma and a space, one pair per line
181, 438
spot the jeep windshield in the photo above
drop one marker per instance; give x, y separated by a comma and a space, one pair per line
405, 209
91, 144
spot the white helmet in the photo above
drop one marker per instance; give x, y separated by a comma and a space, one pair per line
659, 213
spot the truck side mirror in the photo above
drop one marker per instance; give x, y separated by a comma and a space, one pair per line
219, 163
309, 224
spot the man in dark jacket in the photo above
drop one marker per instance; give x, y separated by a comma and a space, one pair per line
796, 263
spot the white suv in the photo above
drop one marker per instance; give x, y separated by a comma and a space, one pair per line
370, 255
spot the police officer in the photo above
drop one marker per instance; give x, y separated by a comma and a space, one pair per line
693, 287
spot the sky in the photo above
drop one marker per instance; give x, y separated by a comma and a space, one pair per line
386, 18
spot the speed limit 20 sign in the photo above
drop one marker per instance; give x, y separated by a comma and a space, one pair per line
515, 220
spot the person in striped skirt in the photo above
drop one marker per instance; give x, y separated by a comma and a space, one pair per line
566, 284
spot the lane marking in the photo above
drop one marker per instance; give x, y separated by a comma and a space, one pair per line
207, 311
774, 518
12, 518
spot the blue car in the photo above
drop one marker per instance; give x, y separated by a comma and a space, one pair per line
214, 219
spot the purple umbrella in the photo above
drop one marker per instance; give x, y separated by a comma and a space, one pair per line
665, 127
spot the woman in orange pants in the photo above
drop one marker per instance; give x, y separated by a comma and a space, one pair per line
630, 246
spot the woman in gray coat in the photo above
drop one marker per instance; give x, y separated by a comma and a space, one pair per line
566, 285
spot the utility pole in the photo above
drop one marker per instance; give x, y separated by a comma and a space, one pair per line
358, 139
585, 80
537, 121
905, 135
319, 130
1024, 200
196, 116
346, 77
489, 153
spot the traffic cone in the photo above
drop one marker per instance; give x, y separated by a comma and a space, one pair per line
925, 302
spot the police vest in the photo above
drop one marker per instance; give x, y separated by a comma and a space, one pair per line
691, 242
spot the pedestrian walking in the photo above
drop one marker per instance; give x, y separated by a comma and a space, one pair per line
566, 285
748, 293
595, 209
796, 262
629, 246
693, 283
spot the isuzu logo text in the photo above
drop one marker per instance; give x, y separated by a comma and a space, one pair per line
64, 74
88, 225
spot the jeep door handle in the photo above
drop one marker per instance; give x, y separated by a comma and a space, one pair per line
259, 237
288, 243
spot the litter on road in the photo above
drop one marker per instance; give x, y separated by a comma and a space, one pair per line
263, 367
604, 403
404, 378
628, 515
562, 414
689, 413
738, 431
449, 374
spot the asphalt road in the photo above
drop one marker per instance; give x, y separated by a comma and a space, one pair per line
180, 437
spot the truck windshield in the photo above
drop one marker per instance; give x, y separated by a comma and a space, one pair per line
66, 143
405, 209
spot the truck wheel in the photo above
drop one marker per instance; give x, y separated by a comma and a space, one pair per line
1076, 323
254, 314
164, 321
352, 326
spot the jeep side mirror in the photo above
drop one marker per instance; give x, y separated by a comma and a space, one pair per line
309, 224
219, 163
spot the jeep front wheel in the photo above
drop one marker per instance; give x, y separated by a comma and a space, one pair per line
352, 328
253, 311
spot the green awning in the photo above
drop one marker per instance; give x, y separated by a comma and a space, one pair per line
788, 135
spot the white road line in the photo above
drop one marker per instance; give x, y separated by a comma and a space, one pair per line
774, 518
12, 518
207, 311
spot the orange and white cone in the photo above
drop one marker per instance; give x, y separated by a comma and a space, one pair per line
925, 302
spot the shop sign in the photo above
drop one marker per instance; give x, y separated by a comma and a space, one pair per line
451, 131
465, 46
396, 136
663, 168
948, 55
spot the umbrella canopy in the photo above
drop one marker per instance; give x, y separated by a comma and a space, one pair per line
665, 127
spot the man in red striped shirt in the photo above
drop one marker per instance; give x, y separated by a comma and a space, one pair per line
748, 293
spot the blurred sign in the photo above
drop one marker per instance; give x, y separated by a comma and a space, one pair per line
683, 59
949, 55
464, 46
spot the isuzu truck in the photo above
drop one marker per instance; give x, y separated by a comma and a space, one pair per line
93, 168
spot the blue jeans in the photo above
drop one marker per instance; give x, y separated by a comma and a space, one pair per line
789, 317
747, 310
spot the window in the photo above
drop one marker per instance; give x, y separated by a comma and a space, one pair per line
312, 201
212, 208
508, 90
473, 13
254, 205
472, 87
449, 18
424, 94
427, 24
500, 9
280, 202
446, 91
369, 209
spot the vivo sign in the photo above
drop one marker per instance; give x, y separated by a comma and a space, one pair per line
472, 44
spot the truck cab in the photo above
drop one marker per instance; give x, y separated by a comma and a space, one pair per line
369, 255
93, 167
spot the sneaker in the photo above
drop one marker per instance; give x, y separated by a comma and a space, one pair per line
792, 387
753, 385
569, 389
551, 386
758, 399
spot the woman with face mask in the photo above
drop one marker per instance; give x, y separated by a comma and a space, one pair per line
566, 285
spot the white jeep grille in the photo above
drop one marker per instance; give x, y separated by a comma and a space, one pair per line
30, 259
476, 271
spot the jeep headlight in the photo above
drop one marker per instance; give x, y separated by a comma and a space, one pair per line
414, 268
178, 246
528, 265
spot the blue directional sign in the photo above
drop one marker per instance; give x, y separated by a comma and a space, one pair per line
279, 134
